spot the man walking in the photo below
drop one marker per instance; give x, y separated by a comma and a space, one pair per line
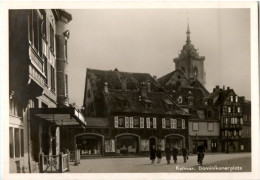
174, 154
184, 153
168, 153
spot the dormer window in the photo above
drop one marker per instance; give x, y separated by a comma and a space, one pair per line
179, 100
148, 103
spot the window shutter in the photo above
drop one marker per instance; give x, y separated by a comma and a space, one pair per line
131, 122
163, 122
172, 124
141, 122
116, 121
183, 123
147, 122
126, 122
154, 122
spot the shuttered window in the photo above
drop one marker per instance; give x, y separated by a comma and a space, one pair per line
154, 122
173, 123
131, 122
163, 122
126, 122
141, 122
147, 122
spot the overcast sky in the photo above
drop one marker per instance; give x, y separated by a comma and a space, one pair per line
147, 40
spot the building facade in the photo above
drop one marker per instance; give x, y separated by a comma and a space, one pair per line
37, 84
230, 109
189, 94
128, 113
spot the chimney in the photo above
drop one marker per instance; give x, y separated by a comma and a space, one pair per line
106, 87
123, 83
228, 88
155, 78
223, 87
144, 89
217, 87
243, 98
214, 89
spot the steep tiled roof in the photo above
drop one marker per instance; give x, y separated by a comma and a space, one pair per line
115, 100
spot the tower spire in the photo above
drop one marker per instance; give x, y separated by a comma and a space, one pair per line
188, 32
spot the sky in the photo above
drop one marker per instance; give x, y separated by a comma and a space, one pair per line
147, 40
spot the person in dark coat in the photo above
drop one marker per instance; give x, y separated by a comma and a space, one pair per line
174, 154
159, 155
168, 153
184, 153
152, 154
201, 151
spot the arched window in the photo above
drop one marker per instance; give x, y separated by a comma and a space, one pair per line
195, 71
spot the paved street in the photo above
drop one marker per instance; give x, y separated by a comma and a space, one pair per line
238, 162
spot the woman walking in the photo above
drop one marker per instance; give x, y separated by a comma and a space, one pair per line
159, 155
152, 154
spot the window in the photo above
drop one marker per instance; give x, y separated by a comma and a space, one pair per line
154, 123
36, 34
183, 124
121, 122
17, 142
241, 120
167, 121
116, 121
163, 123
51, 38
195, 126
179, 123
226, 120
66, 50
147, 122
131, 122
136, 122
229, 109
195, 72
141, 122
238, 109
179, 99
231, 98
235, 132
234, 109
66, 85
174, 123
53, 78
11, 142
190, 102
210, 126
236, 99
126, 122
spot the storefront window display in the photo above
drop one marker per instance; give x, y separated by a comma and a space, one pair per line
127, 144
90, 144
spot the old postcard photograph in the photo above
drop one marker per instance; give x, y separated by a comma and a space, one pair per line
130, 90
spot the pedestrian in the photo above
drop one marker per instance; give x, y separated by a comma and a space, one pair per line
168, 152
184, 154
159, 155
152, 154
174, 154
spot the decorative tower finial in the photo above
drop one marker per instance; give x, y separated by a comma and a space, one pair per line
188, 32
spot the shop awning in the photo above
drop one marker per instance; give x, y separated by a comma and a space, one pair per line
60, 116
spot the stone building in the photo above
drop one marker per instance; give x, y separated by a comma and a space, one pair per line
190, 62
37, 85
128, 113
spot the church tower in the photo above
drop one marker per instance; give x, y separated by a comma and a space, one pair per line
189, 61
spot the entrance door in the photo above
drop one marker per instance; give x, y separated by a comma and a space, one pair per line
214, 146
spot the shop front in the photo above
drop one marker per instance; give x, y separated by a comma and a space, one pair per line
128, 143
175, 140
90, 144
